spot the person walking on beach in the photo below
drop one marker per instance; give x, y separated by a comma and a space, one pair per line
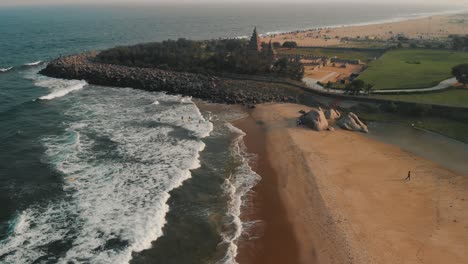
408, 178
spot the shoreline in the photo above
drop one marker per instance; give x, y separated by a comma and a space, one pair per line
277, 242
341, 206
429, 27
415, 16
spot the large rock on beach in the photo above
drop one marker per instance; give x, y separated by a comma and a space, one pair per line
315, 119
351, 122
332, 114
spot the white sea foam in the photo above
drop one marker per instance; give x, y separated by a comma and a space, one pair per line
118, 168
237, 187
59, 87
33, 63
5, 69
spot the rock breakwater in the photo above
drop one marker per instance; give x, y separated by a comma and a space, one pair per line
210, 88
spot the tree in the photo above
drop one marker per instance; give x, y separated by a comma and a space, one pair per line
276, 44
355, 87
461, 73
459, 42
281, 65
296, 69
290, 44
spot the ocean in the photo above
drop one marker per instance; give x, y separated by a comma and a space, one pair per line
93, 174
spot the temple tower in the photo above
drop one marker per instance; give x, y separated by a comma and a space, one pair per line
255, 43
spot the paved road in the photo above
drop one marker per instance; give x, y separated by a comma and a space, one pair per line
441, 86
312, 83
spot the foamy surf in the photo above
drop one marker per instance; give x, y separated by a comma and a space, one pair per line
237, 187
59, 87
118, 169
5, 69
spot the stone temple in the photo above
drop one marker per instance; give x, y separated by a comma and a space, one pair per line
255, 43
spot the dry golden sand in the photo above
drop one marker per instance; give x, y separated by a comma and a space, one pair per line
329, 73
427, 28
346, 201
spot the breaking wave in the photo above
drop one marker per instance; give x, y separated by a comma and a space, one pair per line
119, 157
59, 87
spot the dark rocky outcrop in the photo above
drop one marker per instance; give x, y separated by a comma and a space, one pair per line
210, 88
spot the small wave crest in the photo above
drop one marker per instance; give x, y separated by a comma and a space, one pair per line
35, 63
5, 69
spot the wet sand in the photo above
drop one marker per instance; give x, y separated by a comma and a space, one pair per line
275, 242
341, 197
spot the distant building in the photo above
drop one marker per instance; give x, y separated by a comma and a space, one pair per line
255, 43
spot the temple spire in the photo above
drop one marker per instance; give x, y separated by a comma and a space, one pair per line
255, 41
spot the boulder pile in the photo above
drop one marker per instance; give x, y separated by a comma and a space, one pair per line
206, 87
319, 120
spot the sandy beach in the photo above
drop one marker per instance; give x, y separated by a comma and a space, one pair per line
433, 27
341, 197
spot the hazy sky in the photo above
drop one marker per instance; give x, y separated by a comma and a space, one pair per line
36, 2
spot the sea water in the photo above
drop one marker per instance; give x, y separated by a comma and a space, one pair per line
92, 174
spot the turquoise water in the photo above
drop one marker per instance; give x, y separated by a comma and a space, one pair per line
102, 175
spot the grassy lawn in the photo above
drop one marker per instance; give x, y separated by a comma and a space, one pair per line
412, 68
348, 54
454, 129
452, 97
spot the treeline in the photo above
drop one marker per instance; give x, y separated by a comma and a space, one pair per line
206, 57
459, 42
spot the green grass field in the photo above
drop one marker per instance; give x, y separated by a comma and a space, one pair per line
412, 68
347, 54
454, 129
452, 97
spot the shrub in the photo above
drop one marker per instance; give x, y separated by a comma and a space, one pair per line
276, 44
290, 44
461, 73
